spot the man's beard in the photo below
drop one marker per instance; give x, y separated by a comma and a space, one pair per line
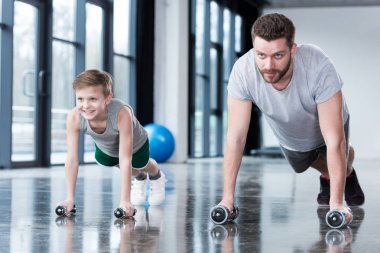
278, 74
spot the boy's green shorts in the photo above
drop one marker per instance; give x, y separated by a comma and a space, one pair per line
139, 159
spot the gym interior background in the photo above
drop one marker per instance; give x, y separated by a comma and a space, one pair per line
171, 61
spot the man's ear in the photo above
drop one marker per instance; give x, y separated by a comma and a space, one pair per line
293, 50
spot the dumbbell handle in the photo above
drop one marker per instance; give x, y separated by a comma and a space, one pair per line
221, 214
62, 210
337, 218
121, 214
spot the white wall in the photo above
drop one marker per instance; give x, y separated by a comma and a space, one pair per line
171, 72
350, 36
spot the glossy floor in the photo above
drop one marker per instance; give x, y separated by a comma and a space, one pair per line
278, 212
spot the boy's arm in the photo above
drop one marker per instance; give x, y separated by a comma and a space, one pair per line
72, 160
125, 158
239, 116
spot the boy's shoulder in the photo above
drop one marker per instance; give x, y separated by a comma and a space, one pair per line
73, 118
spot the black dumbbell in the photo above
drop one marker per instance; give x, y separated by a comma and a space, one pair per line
121, 214
61, 210
221, 214
337, 218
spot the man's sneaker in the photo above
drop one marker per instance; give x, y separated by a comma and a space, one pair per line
323, 198
157, 190
353, 193
138, 191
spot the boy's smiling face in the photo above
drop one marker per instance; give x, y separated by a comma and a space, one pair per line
92, 103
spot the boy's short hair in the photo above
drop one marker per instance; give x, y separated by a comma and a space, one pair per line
274, 26
94, 77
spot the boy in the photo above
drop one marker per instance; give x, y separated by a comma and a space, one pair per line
119, 139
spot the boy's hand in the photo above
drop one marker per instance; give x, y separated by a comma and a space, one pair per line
68, 204
128, 208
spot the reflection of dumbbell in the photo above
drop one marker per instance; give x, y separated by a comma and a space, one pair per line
63, 221
61, 211
337, 218
124, 223
221, 214
219, 233
336, 237
121, 214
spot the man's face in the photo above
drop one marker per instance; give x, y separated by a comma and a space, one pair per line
274, 59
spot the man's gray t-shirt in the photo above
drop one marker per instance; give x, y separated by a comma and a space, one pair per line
292, 112
108, 141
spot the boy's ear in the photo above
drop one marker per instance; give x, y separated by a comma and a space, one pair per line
109, 98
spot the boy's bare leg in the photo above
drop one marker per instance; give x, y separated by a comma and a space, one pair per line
152, 167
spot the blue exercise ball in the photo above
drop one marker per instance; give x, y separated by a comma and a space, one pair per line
161, 142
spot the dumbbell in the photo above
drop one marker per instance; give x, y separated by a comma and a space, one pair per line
337, 218
61, 210
221, 214
121, 214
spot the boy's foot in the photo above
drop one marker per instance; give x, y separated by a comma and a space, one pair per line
354, 195
323, 198
157, 190
138, 191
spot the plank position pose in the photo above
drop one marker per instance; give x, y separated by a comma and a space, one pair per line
298, 90
120, 141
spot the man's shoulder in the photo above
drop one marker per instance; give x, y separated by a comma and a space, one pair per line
311, 56
310, 50
247, 57
245, 63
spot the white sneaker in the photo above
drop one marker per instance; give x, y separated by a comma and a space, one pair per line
157, 191
138, 191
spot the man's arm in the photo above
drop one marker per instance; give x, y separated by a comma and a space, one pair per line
72, 160
239, 116
332, 127
125, 127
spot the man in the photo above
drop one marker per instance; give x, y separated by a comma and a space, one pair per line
299, 92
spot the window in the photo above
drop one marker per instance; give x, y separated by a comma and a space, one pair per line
63, 73
124, 50
217, 33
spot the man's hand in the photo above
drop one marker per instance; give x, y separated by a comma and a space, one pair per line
229, 204
344, 209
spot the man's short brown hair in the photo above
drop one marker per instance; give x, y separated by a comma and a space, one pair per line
274, 26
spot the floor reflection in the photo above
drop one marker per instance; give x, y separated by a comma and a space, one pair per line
277, 212
337, 240
225, 236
